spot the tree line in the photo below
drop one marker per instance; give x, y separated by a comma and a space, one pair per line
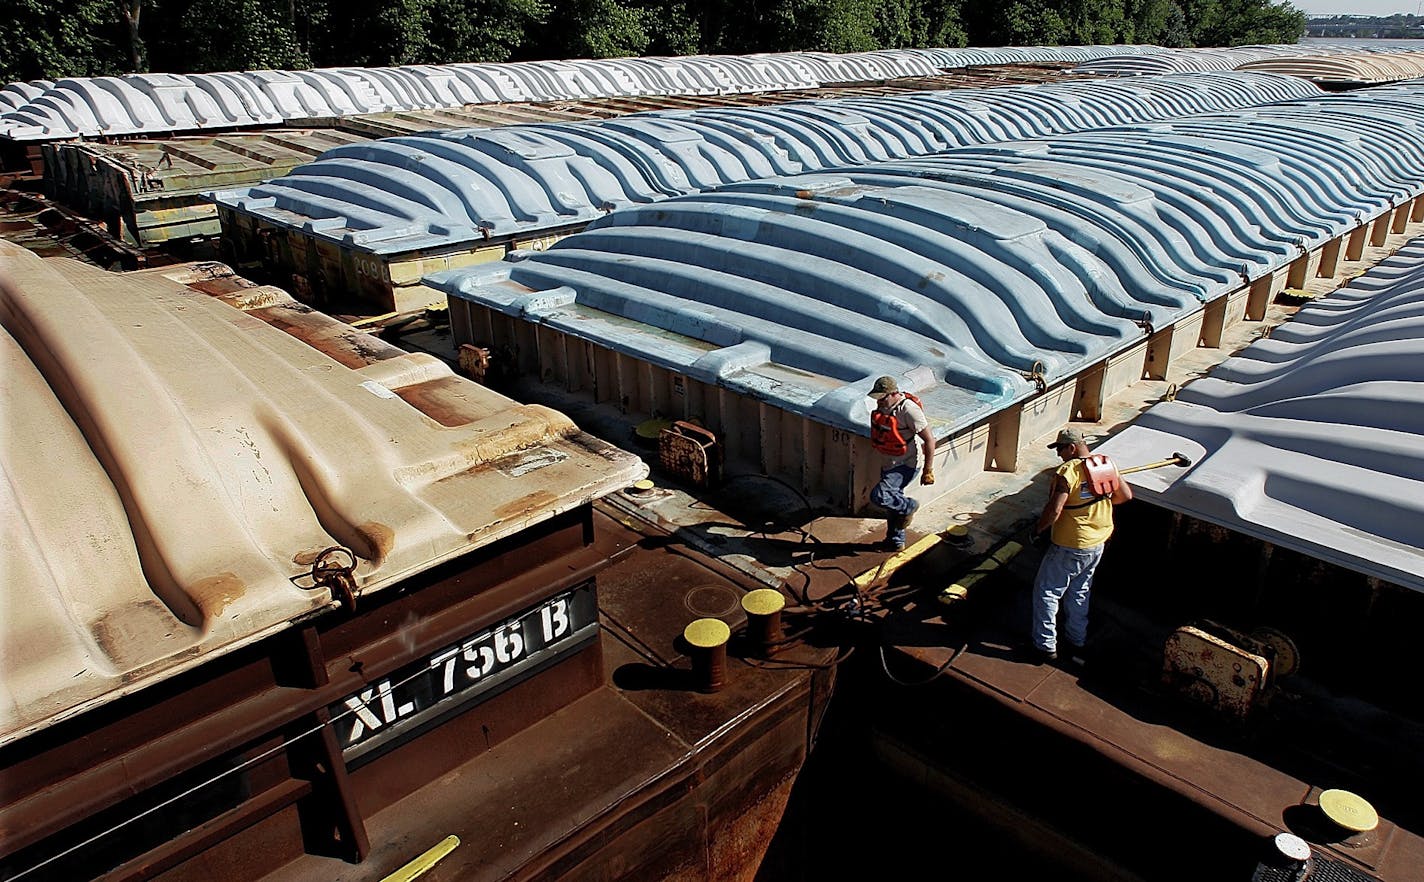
48, 39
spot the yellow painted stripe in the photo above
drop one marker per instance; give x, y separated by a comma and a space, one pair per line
888, 567
369, 320
418, 867
1000, 556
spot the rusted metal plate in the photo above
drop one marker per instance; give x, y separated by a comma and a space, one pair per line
690, 453
49, 229
1213, 672
662, 591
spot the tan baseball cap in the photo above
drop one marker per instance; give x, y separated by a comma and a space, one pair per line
1067, 436
884, 386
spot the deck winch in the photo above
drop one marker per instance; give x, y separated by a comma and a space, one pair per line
1227, 670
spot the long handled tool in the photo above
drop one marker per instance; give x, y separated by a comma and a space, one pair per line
1103, 473
1177, 459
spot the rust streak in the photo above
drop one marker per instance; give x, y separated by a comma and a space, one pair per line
379, 539
536, 501
131, 634
213, 594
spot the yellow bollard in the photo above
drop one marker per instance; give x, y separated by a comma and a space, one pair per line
708, 639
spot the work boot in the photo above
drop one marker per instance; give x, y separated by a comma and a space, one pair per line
909, 515
1036, 656
894, 533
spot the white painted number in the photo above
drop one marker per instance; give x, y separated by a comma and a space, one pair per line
508, 643
366, 718
481, 658
458, 667
446, 658
556, 620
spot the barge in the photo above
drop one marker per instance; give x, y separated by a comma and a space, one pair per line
287, 602
356, 231
1250, 666
152, 192
520, 699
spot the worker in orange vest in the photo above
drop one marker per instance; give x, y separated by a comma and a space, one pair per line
895, 423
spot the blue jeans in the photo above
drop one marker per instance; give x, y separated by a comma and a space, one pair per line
889, 494
1066, 574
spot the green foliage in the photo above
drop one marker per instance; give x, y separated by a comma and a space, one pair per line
1245, 22
1024, 23
1158, 22
54, 38
45, 39
241, 35
480, 30
837, 25
1091, 22
736, 26
1242, 22
673, 28
939, 25
595, 29
376, 33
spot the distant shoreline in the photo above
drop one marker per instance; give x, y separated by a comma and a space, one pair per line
1363, 41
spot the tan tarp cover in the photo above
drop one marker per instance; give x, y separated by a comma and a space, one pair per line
1362, 67
172, 466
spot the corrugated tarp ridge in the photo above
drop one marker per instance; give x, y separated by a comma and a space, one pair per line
411, 193
964, 272
1361, 67
1309, 439
1230, 58
148, 103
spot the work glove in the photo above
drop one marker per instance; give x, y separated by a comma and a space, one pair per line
927, 476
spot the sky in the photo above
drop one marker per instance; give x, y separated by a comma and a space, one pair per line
1358, 7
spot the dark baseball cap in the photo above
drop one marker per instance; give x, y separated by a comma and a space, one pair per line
1067, 436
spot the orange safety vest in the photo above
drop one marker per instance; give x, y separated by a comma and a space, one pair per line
885, 430
1101, 476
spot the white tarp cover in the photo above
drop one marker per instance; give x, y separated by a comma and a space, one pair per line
172, 464
1309, 439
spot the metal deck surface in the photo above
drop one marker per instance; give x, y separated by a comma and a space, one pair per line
582, 778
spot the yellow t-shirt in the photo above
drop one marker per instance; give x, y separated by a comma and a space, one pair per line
1085, 521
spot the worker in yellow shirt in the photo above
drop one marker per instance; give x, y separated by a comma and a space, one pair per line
1081, 523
